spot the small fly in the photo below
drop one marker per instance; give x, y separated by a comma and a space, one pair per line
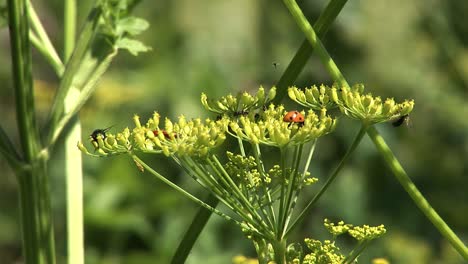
98, 132
401, 120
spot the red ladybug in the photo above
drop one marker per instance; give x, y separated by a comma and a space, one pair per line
164, 132
294, 117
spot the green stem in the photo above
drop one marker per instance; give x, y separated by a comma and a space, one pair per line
73, 162
294, 174
191, 235
322, 25
37, 227
415, 194
69, 28
270, 214
182, 191
48, 55
345, 158
357, 250
279, 248
36, 220
43, 43
313, 39
301, 186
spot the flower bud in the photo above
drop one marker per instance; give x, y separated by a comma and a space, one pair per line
204, 101
315, 92
388, 106
230, 101
309, 96
168, 125
292, 93
110, 141
136, 120
246, 99
334, 95
407, 107
221, 106
367, 101
82, 147
156, 118
260, 94
272, 93
121, 139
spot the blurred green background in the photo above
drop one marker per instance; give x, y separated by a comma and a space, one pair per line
403, 49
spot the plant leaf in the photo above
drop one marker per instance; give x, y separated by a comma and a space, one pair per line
131, 25
133, 46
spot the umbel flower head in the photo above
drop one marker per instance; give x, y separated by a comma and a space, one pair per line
182, 138
193, 137
241, 104
352, 102
270, 129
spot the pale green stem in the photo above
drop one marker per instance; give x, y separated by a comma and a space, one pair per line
282, 193
43, 43
271, 212
309, 158
182, 191
73, 161
300, 187
291, 187
57, 65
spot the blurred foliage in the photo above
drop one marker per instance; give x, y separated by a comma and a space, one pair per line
402, 49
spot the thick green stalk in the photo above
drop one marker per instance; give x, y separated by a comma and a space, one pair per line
314, 40
279, 248
332, 177
36, 220
197, 225
322, 25
73, 162
415, 194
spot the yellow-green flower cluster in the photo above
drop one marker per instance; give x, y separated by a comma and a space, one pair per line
106, 144
270, 129
322, 253
366, 232
360, 233
194, 137
314, 97
337, 229
241, 104
246, 170
352, 102
185, 137
370, 109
